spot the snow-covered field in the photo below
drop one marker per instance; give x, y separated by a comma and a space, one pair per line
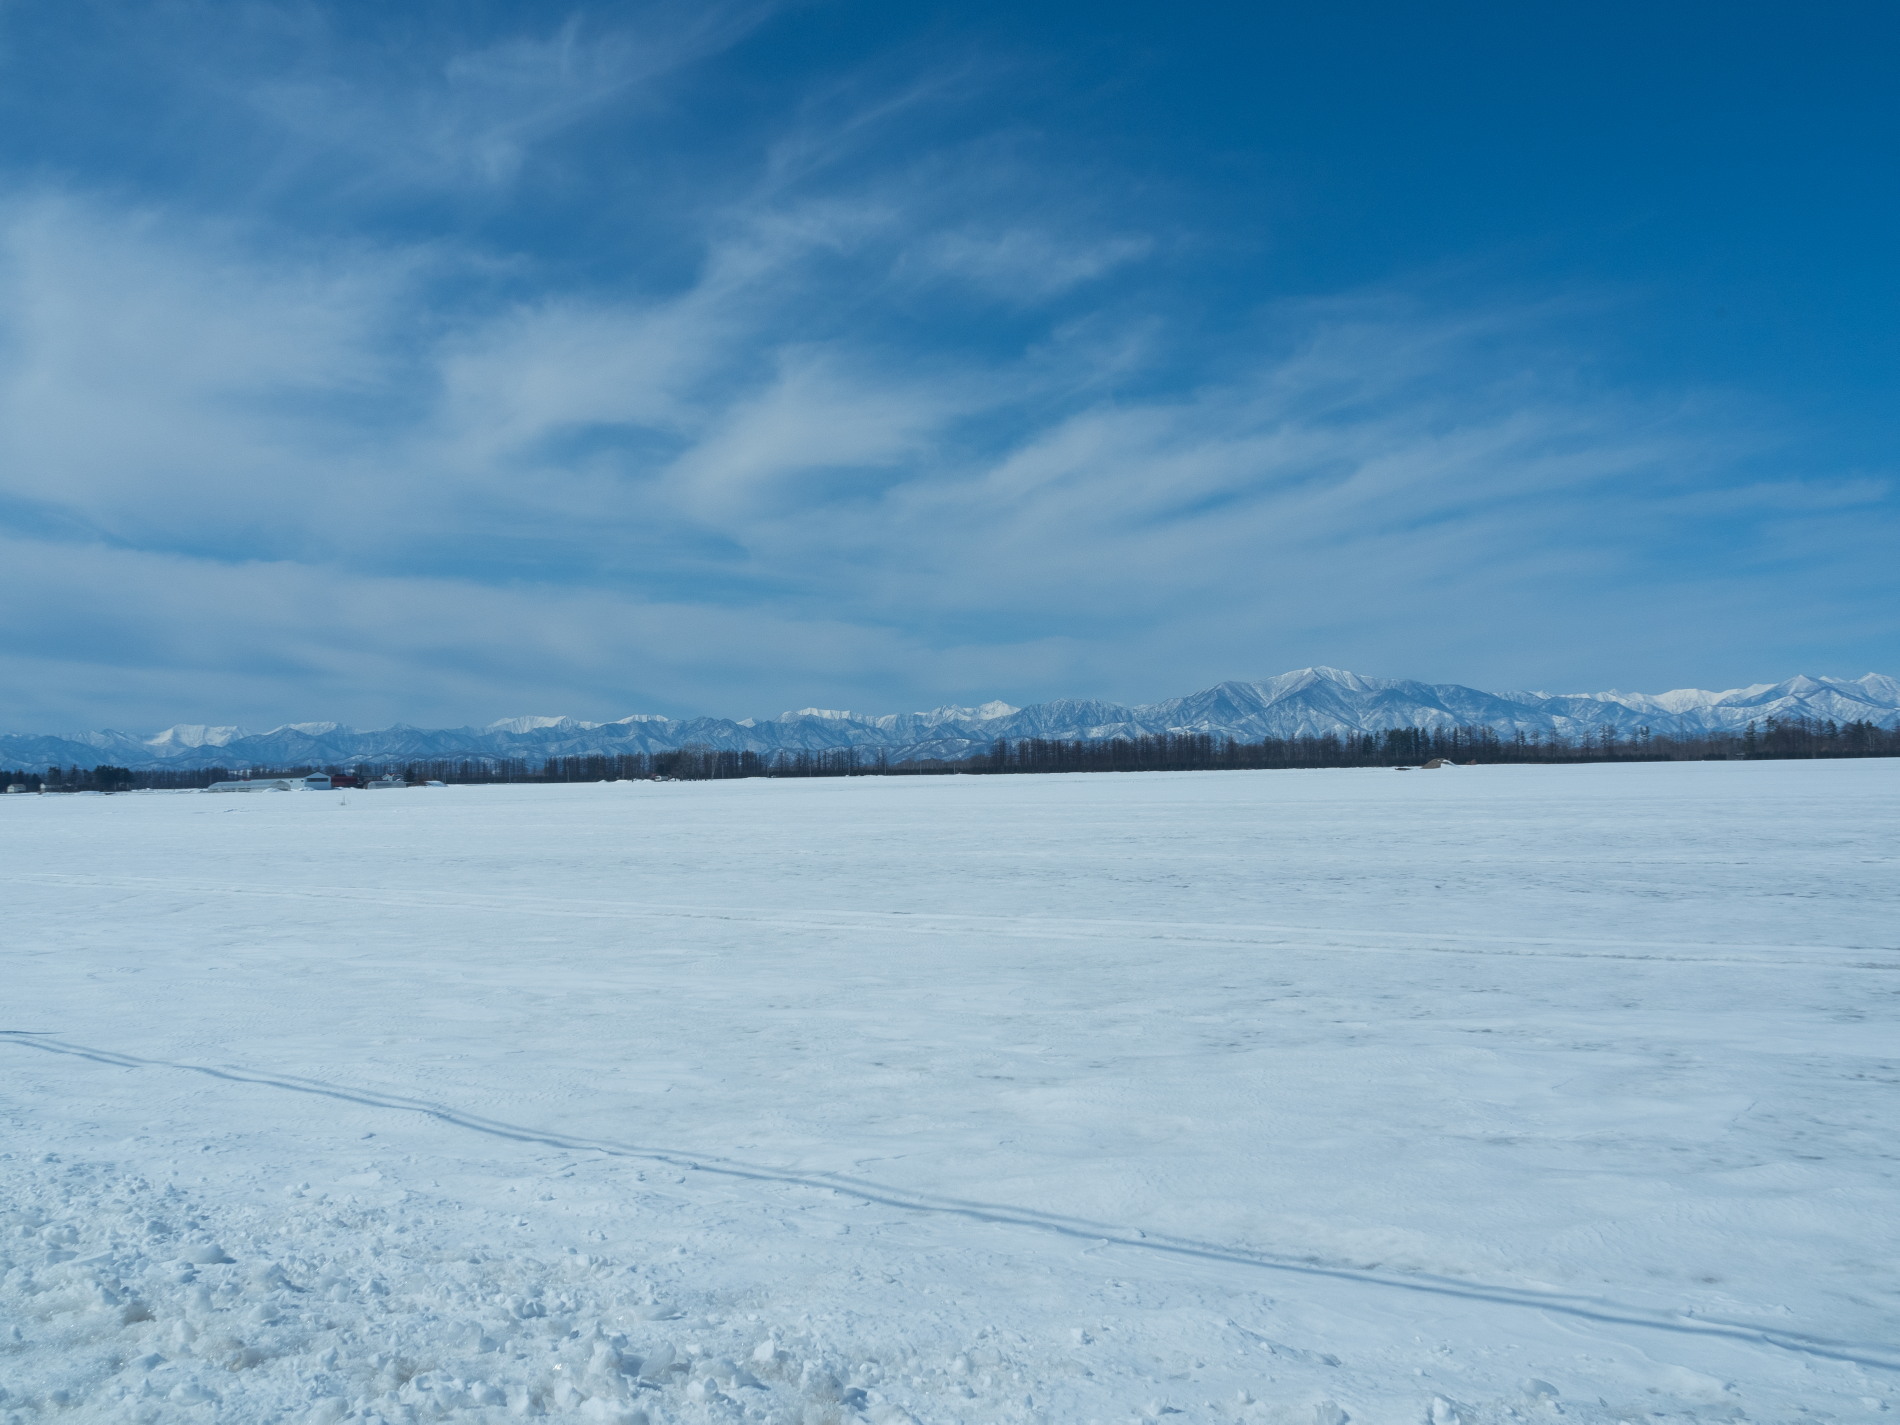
1480, 1094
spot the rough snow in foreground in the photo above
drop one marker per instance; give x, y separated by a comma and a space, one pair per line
1480, 1095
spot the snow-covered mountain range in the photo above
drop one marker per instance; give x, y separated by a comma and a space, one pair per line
1309, 701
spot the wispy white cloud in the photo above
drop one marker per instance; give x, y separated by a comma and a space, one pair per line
1024, 264
253, 473
157, 383
97, 635
471, 118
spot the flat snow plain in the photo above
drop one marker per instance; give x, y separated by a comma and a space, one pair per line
1479, 1095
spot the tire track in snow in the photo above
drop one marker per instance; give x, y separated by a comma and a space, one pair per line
1002, 1214
944, 923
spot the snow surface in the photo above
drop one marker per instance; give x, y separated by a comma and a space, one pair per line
1481, 1095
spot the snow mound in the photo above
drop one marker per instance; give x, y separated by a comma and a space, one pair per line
130, 1301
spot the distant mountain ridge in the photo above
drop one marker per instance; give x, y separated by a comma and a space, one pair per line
1307, 702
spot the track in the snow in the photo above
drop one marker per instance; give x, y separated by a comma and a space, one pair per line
1584, 1308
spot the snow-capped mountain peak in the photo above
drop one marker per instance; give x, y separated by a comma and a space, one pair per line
187, 734
527, 724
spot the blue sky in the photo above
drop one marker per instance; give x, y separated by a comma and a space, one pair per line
443, 362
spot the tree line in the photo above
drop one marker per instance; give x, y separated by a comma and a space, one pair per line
1769, 739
